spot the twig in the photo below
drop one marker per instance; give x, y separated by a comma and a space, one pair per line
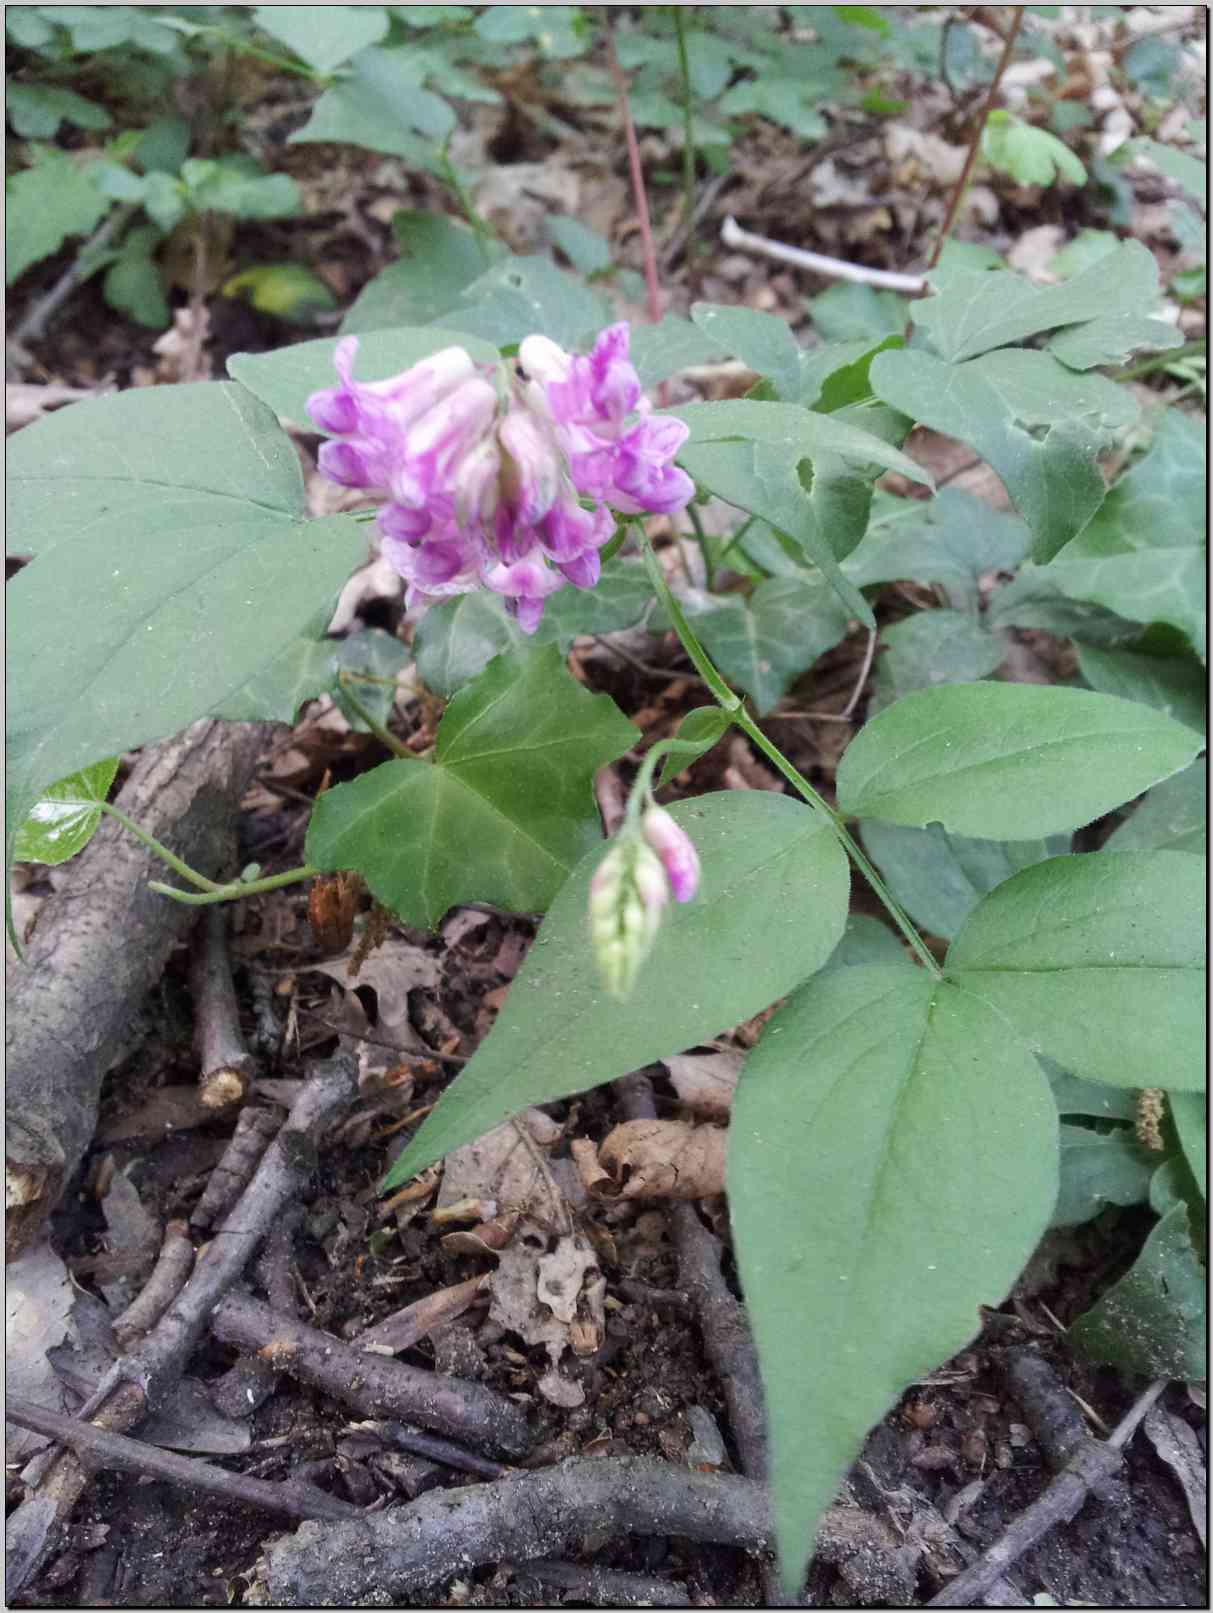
226, 1067
857, 691
100, 1448
606, 1587
34, 323
962, 184
251, 1380
636, 170
393, 1554
403, 1329
1054, 1418
442, 1450
166, 1281
255, 1130
732, 234
374, 1385
1093, 1463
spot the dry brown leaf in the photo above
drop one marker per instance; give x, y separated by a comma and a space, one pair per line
392, 971
1179, 1448
705, 1082
664, 1159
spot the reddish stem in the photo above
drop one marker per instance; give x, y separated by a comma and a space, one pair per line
638, 191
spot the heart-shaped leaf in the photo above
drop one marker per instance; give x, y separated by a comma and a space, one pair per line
66, 817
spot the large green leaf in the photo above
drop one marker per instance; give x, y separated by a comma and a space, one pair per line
1034, 599
323, 36
285, 379
770, 910
1098, 961
504, 811
521, 297
1036, 423
45, 204
1008, 761
975, 311
672, 344
1074, 1096
1152, 1322
66, 816
1173, 684
760, 340
1143, 555
892, 1154
762, 644
952, 540
1190, 1112
441, 258
930, 648
1098, 1169
939, 878
1172, 817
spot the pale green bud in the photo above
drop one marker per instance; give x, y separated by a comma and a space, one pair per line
628, 894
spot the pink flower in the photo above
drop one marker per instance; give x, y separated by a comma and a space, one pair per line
676, 850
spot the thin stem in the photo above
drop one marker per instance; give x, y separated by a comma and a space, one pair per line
688, 122
467, 207
1160, 361
732, 704
637, 174
868, 656
154, 846
237, 889
701, 538
382, 734
962, 184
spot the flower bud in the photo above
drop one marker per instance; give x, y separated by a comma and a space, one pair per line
676, 850
627, 895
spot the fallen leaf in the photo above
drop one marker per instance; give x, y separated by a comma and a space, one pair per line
664, 1159
705, 1082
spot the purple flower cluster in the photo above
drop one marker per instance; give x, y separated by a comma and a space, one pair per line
502, 477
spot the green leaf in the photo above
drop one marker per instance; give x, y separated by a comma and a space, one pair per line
866, 940
504, 811
1143, 555
285, 290
1074, 1096
1098, 961
698, 731
1098, 1169
524, 296
1188, 172
892, 1152
1034, 599
182, 509
1087, 248
1113, 340
132, 282
301, 670
762, 644
932, 647
555, 29
1008, 760
951, 540
997, 404
770, 910
1171, 684
36, 110
1172, 817
940, 878
238, 186
323, 36
1190, 1113
1152, 1323
43, 206
366, 666
760, 340
848, 312
66, 816
1031, 156
672, 344
383, 107
587, 251
975, 311
286, 378
786, 101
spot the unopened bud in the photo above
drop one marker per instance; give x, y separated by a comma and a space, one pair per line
676, 850
627, 896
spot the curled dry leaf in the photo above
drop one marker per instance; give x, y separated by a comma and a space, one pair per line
395, 969
664, 1159
706, 1082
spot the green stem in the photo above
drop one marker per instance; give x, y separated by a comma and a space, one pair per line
382, 734
688, 122
450, 175
237, 889
733, 705
1160, 361
154, 846
703, 541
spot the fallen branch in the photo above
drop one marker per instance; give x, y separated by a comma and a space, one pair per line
233, 1171
732, 234
168, 1276
394, 1554
374, 1385
100, 1448
1092, 1464
101, 943
226, 1067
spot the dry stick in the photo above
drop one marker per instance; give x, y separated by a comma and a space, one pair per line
255, 1130
403, 1328
962, 184
100, 1448
375, 1385
34, 323
173, 1265
442, 1450
1092, 1464
637, 173
251, 1380
606, 1587
139, 1380
393, 1554
226, 1067
732, 234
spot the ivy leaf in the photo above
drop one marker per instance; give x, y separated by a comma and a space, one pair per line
66, 817
1172, 817
892, 1151
1172, 684
773, 893
1098, 961
1009, 761
762, 644
301, 670
951, 540
999, 404
1098, 1169
1034, 599
932, 647
286, 378
501, 815
1031, 156
1152, 1322
440, 259
939, 878
323, 36
760, 340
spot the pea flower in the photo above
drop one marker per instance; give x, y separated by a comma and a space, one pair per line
502, 477
676, 850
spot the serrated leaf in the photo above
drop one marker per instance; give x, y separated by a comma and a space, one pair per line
236, 185
504, 811
1031, 156
760, 340
952, 540
133, 284
301, 670
975, 311
762, 644
891, 1152
286, 378
930, 648
998, 404
1152, 1323
1190, 1114
672, 344
66, 816
939, 878
773, 893
1010, 761
44, 205
323, 36
695, 736
1171, 684
1172, 817
524, 296
1098, 961
1098, 1169
440, 259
